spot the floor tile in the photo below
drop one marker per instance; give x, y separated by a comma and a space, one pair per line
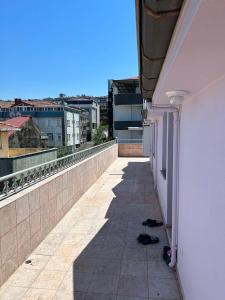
12, 293
48, 280
67, 250
104, 284
69, 295
130, 298
160, 269
139, 254
108, 267
59, 263
78, 282
133, 286
38, 262
23, 277
84, 265
39, 294
98, 296
136, 268
163, 288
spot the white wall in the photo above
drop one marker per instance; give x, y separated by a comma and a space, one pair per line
147, 141
73, 128
201, 262
161, 181
51, 125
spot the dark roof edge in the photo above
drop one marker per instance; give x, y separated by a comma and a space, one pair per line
154, 12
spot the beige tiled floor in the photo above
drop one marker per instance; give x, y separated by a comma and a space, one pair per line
93, 254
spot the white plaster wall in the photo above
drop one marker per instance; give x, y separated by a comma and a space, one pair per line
147, 141
69, 128
161, 182
73, 129
201, 262
51, 125
77, 128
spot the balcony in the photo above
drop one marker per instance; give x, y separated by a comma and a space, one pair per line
124, 125
128, 99
77, 228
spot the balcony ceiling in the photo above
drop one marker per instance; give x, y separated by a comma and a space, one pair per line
156, 20
127, 86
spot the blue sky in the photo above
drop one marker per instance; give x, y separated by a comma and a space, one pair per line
68, 46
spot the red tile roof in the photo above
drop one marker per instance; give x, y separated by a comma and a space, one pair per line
33, 103
17, 122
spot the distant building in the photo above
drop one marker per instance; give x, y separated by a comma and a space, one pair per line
60, 123
21, 146
103, 104
5, 130
89, 105
125, 109
29, 135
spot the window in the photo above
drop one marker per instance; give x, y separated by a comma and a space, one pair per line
50, 136
68, 137
58, 123
59, 137
77, 123
68, 123
48, 123
164, 146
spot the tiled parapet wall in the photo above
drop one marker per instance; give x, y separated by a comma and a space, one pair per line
130, 150
28, 216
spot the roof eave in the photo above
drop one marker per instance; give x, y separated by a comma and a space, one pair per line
155, 21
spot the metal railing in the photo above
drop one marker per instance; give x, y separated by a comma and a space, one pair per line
15, 182
129, 141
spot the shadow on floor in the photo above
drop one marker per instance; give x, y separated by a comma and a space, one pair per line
113, 266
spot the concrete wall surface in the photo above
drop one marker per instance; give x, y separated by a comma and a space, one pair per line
28, 216
130, 150
22, 151
25, 160
201, 241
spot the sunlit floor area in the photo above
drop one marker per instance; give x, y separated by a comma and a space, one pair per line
93, 253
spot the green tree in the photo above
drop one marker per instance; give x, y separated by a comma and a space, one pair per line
100, 135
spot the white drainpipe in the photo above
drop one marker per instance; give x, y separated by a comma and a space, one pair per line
175, 110
156, 153
175, 211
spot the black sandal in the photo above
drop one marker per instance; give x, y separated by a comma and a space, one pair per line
152, 223
167, 254
146, 239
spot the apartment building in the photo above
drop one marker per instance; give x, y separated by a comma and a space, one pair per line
125, 109
103, 104
60, 123
93, 109
181, 48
